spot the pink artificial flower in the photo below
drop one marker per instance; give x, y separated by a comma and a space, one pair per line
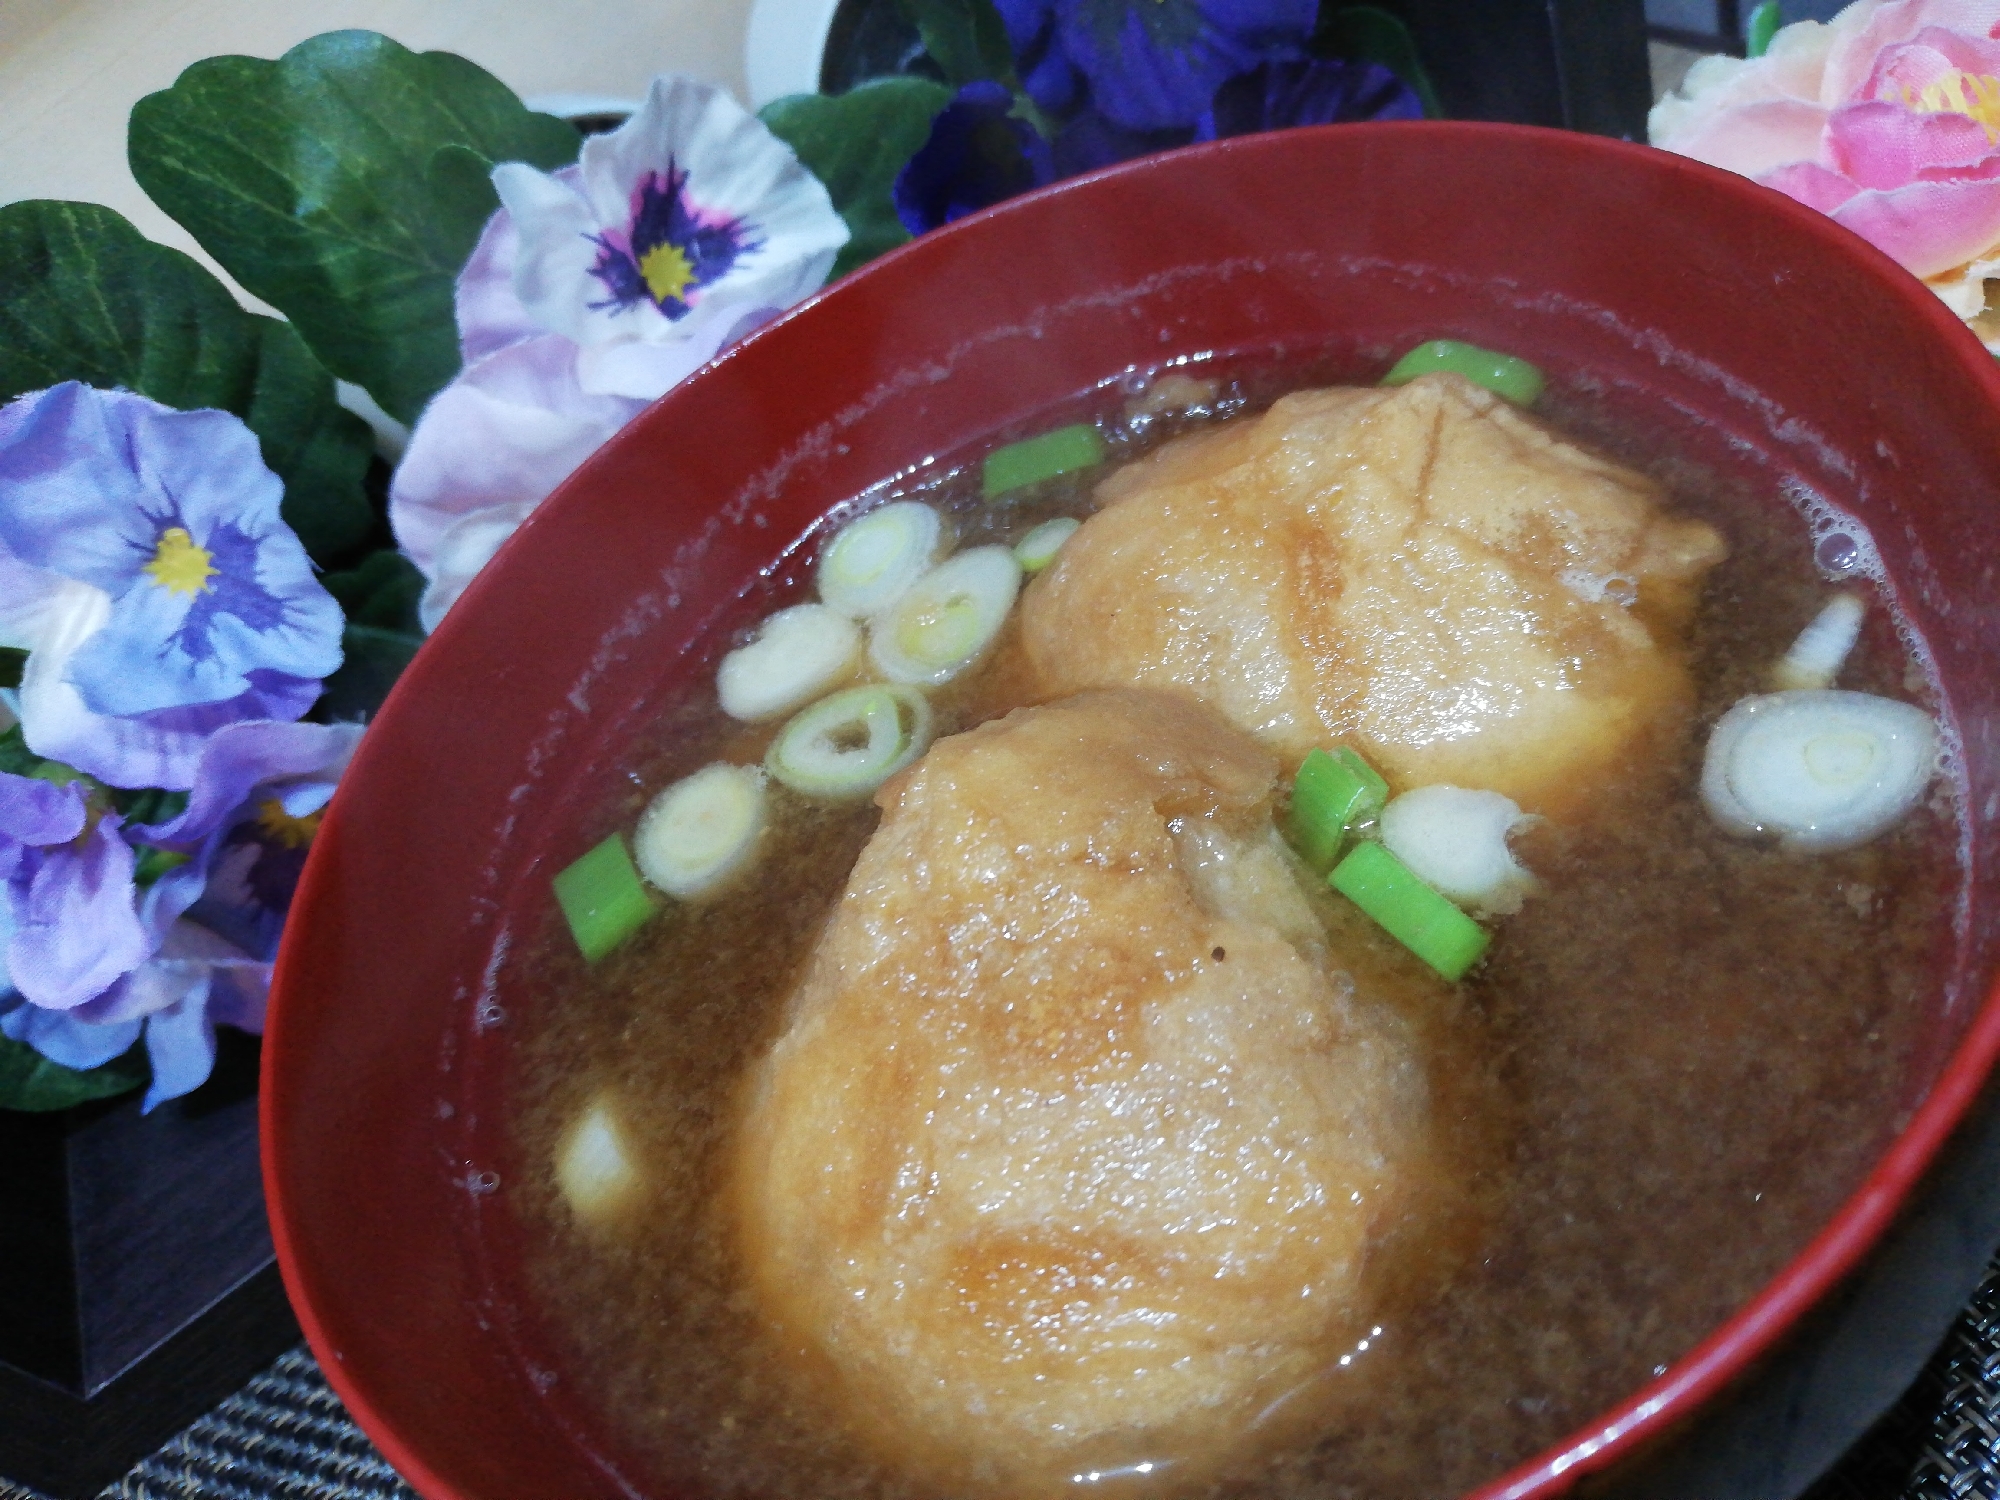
1887, 119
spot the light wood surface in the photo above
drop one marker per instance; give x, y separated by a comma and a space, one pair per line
70, 70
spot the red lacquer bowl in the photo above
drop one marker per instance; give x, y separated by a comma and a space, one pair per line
1679, 289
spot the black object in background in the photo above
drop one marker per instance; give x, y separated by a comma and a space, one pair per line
1580, 64
137, 1287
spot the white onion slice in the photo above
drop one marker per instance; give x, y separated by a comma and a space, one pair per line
850, 743
874, 558
947, 619
1455, 840
594, 1166
1819, 768
796, 655
1822, 648
701, 831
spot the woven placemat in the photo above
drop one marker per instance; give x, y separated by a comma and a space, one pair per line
285, 1436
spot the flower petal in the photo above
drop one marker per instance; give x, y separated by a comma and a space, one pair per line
489, 311
67, 1039
1929, 226
76, 505
76, 929
1862, 32
504, 433
761, 227
1884, 145
976, 155
1306, 91
180, 1045
240, 758
1813, 185
462, 553
1153, 64
1752, 139
37, 812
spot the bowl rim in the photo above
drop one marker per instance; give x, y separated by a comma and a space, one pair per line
1759, 1324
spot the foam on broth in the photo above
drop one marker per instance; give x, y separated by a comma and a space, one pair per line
1705, 1044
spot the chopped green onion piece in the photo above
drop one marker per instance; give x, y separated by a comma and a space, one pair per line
873, 558
947, 618
851, 742
1514, 379
1759, 28
701, 831
1035, 459
1331, 794
1412, 913
1038, 548
602, 898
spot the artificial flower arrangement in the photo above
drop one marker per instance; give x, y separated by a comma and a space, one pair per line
211, 568
1887, 118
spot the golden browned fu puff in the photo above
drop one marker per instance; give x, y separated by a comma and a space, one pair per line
1079, 1149
1422, 571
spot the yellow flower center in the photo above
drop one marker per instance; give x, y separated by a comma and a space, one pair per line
1974, 95
280, 827
667, 271
179, 565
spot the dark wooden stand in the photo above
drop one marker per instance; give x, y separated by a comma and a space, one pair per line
137, 1287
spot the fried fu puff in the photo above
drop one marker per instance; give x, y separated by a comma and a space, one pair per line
1087, 1142
1423, 572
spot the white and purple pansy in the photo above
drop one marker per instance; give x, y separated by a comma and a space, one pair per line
146, 571
666, 235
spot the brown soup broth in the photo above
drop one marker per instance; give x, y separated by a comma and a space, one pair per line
1706, 1044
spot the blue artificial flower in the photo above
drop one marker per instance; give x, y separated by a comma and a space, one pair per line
1318, 91
145, 569
1090, 141
669, 249
1149, 64
978, 154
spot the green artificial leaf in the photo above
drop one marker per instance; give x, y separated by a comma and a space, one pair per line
383, 592
1365, 33
84, 296
856, 143
966, 39
380, 600
338, 184
16, 759
29, 1081
371, 660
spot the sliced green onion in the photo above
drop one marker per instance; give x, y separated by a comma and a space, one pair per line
701, 830
871, 560
1330, 795
796, 655
1454, 839
1821, 769
602, 898
1034, 459
1038, 548
947, 619
1410, 911
850, 743
1503, 374
594, 1166
1822, 648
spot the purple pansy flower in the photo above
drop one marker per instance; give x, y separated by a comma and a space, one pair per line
90, 960
978, 154
1149, 64
1316, 91
146, 571
670, 250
